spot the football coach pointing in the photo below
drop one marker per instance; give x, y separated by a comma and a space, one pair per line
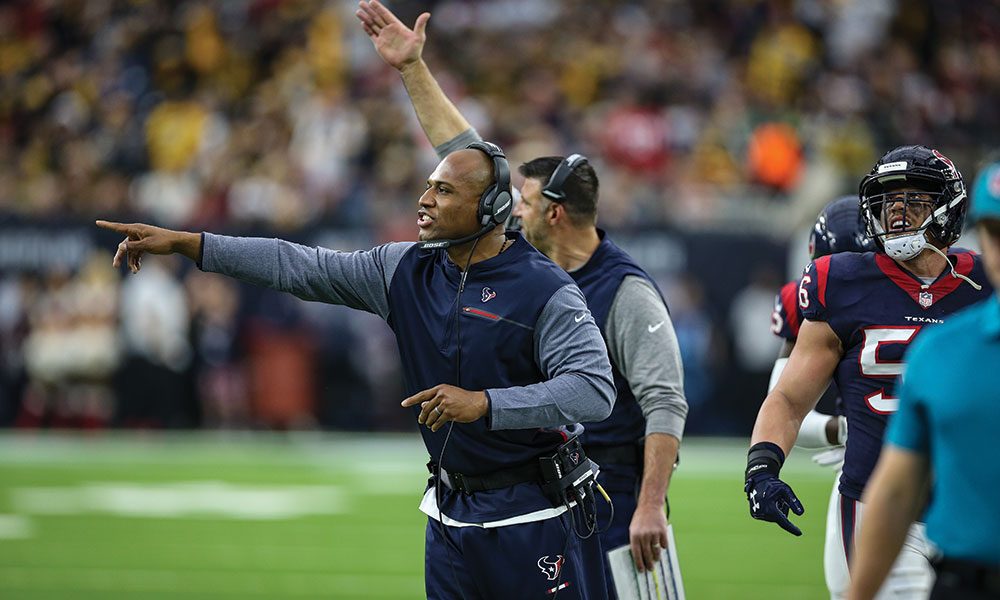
500, 356
637, 445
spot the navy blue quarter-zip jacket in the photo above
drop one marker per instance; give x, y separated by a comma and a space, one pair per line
520, 330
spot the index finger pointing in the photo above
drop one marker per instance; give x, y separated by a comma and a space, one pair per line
419, 397
788, 525
119, 227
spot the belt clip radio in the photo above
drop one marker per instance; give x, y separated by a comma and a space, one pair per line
568, 474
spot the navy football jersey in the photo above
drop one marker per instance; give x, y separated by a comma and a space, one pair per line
787, 316
877, 308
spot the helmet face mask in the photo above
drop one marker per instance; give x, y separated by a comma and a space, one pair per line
902, 220
903, 181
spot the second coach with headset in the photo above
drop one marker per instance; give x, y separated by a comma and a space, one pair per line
637, 445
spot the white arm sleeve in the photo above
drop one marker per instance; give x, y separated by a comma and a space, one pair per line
779, 366
812, 432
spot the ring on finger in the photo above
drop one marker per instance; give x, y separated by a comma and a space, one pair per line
437, 410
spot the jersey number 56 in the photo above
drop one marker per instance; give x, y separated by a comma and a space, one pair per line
873, 366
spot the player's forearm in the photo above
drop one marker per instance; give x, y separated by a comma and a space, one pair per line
438, 116
659, 458
778, 422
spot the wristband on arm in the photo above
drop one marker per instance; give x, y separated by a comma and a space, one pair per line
764, 457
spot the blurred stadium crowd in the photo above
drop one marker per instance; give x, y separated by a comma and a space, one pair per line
273, 116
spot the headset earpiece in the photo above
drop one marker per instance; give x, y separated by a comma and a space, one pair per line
496, 202
553, 190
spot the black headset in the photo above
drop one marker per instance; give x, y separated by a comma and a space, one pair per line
496, 202
553, 190
494, 205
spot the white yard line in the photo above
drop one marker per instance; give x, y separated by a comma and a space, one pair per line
182, 500
206, 581
15, 527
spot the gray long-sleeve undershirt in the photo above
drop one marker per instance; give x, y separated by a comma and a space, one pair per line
569, 352
643, 345
458, 142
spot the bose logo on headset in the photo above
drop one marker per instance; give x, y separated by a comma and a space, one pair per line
494, 205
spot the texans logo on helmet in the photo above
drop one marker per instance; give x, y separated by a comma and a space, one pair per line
951, 171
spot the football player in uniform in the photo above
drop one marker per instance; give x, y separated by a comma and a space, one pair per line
838, 228
860, 311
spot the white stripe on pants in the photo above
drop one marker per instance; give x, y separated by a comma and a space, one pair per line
911, 577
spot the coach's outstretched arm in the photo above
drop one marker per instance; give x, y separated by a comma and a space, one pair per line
807, 374
354, 279
140, 238
401, 48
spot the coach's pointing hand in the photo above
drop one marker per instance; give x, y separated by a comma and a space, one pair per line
141, 238
443, 403
397, 44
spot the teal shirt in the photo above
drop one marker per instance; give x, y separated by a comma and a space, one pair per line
949, 410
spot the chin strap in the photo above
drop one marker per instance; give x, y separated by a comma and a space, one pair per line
952, 267
905, 247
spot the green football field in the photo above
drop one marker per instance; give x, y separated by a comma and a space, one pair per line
309, 516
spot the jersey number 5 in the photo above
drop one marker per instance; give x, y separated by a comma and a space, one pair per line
872, 366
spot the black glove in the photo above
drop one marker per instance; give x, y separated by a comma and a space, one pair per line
770, 498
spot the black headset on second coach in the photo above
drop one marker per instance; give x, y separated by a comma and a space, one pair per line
553, 190
496, 202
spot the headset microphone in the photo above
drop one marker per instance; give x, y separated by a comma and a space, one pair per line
437, 244
495, 204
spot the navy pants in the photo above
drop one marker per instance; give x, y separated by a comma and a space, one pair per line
524, 561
